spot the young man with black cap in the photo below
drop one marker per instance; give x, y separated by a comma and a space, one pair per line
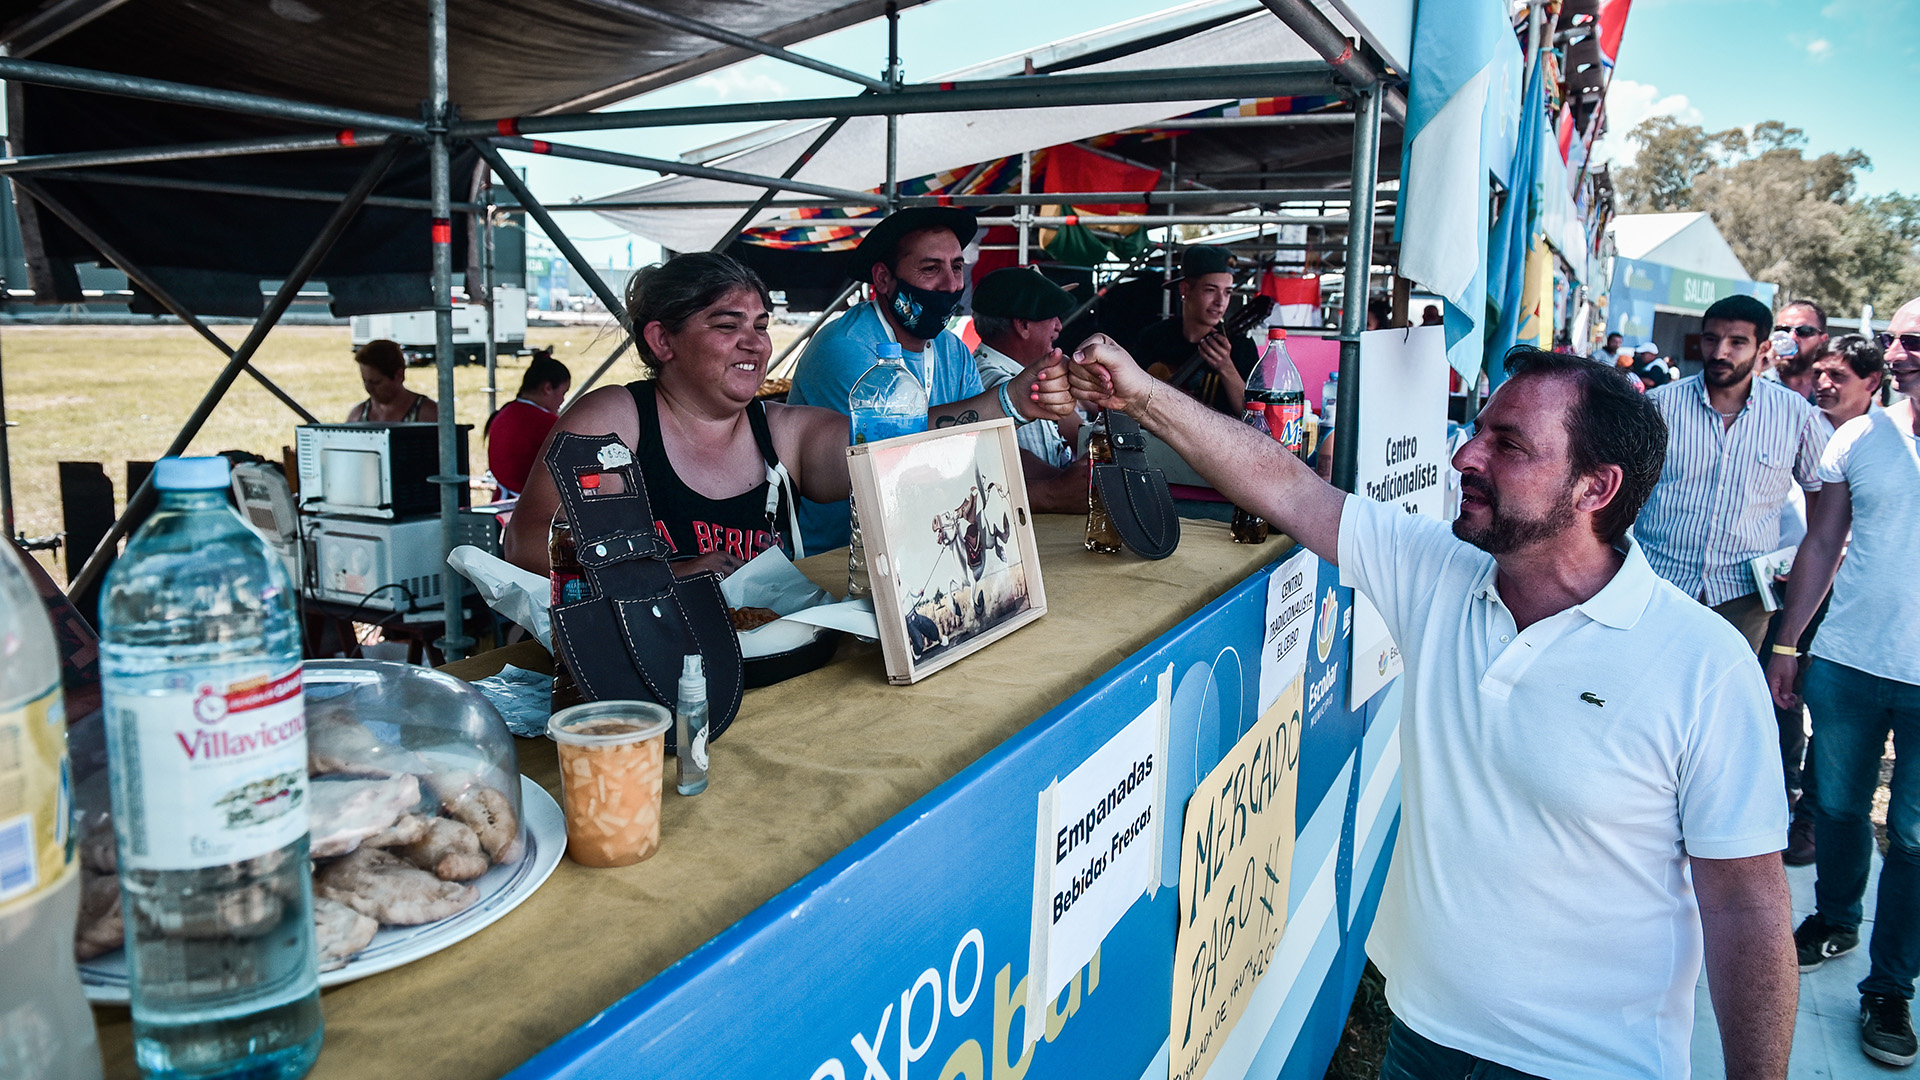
1735, 444
1219, 377
914, 260
1017, 313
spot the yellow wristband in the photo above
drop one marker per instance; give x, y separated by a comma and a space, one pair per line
1785, 650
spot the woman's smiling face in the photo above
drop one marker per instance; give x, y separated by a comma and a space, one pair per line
724, 346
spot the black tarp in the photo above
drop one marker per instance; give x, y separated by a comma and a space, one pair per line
506, 59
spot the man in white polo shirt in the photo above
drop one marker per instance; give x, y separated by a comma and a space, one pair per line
1574, 834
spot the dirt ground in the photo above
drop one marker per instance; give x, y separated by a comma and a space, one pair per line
112, 394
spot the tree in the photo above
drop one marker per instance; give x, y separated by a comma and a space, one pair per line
1671, 156
1791, 219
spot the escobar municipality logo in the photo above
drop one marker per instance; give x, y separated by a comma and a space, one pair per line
1323, 633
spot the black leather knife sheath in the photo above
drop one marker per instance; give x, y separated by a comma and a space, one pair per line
1136, 494
626, 640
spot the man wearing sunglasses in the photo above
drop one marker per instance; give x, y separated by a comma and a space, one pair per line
1799, 336
1864, 682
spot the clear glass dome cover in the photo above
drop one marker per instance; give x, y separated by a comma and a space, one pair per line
374, 719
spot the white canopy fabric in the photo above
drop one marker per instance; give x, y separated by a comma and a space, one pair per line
935, 142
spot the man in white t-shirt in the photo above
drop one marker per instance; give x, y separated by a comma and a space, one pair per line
1863, 683
1574, 834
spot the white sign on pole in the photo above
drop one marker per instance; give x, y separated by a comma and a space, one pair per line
1402, 445
1096, 851
1289, 633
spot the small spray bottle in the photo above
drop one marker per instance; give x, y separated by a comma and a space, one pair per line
690, 727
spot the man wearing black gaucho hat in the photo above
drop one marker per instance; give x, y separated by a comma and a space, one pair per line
914, 261
1017, 312
1191, 343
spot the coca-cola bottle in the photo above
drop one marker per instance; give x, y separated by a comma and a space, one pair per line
1248, 527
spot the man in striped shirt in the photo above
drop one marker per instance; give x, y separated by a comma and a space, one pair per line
1735, 446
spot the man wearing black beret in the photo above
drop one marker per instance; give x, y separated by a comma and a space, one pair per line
1017, 313
915, 262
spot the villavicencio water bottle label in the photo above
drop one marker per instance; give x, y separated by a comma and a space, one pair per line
213, 773
36, 796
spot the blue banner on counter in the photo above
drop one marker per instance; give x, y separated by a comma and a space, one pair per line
907, 954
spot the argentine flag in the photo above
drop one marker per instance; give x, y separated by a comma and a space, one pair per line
1463, 111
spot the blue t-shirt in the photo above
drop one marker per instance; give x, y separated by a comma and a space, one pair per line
840, 353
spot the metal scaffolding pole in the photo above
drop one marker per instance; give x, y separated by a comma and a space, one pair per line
1021, 92
681, 168
1136, 198
154, 289
6, 467
581, 390
789, 173
103, 82
453, 471
1353, 312
892, 188
738, 41
278, 144
1197, 123
1318, 31
539, 213
142, 498
1026, 185
486, 289
715, 204
217, 187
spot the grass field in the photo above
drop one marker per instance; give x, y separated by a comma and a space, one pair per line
114, 394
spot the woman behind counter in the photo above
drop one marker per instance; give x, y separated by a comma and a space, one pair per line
722, 467
706, 446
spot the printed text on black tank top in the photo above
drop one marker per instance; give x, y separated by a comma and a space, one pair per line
710, 536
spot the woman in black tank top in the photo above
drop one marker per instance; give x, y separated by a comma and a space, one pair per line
723, 470
741, 526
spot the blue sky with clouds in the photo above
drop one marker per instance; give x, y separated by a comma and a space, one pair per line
1846, 71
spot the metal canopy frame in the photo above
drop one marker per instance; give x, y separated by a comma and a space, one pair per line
1348, 70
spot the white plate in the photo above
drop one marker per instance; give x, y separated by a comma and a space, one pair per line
501, 890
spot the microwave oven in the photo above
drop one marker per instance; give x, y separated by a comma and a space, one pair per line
372, 470
386, 565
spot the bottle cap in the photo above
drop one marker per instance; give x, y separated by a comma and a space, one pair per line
1256, 406
693, 679
1276, 333
887, 350
191, 473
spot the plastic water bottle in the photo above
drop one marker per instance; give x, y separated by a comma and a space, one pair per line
1329, 399
1276, 382
690, 727
46, 1029
207, 752
885, 402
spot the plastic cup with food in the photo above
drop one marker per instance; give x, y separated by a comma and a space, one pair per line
611, 767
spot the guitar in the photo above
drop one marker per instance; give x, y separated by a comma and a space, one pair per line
1250, 315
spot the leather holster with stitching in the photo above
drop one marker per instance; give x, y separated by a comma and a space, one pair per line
1136, 494
626, 640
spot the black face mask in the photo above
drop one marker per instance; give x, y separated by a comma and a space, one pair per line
923, 312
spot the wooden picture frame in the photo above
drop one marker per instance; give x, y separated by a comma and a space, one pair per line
949, 540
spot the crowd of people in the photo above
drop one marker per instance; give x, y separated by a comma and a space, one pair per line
1578, 837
